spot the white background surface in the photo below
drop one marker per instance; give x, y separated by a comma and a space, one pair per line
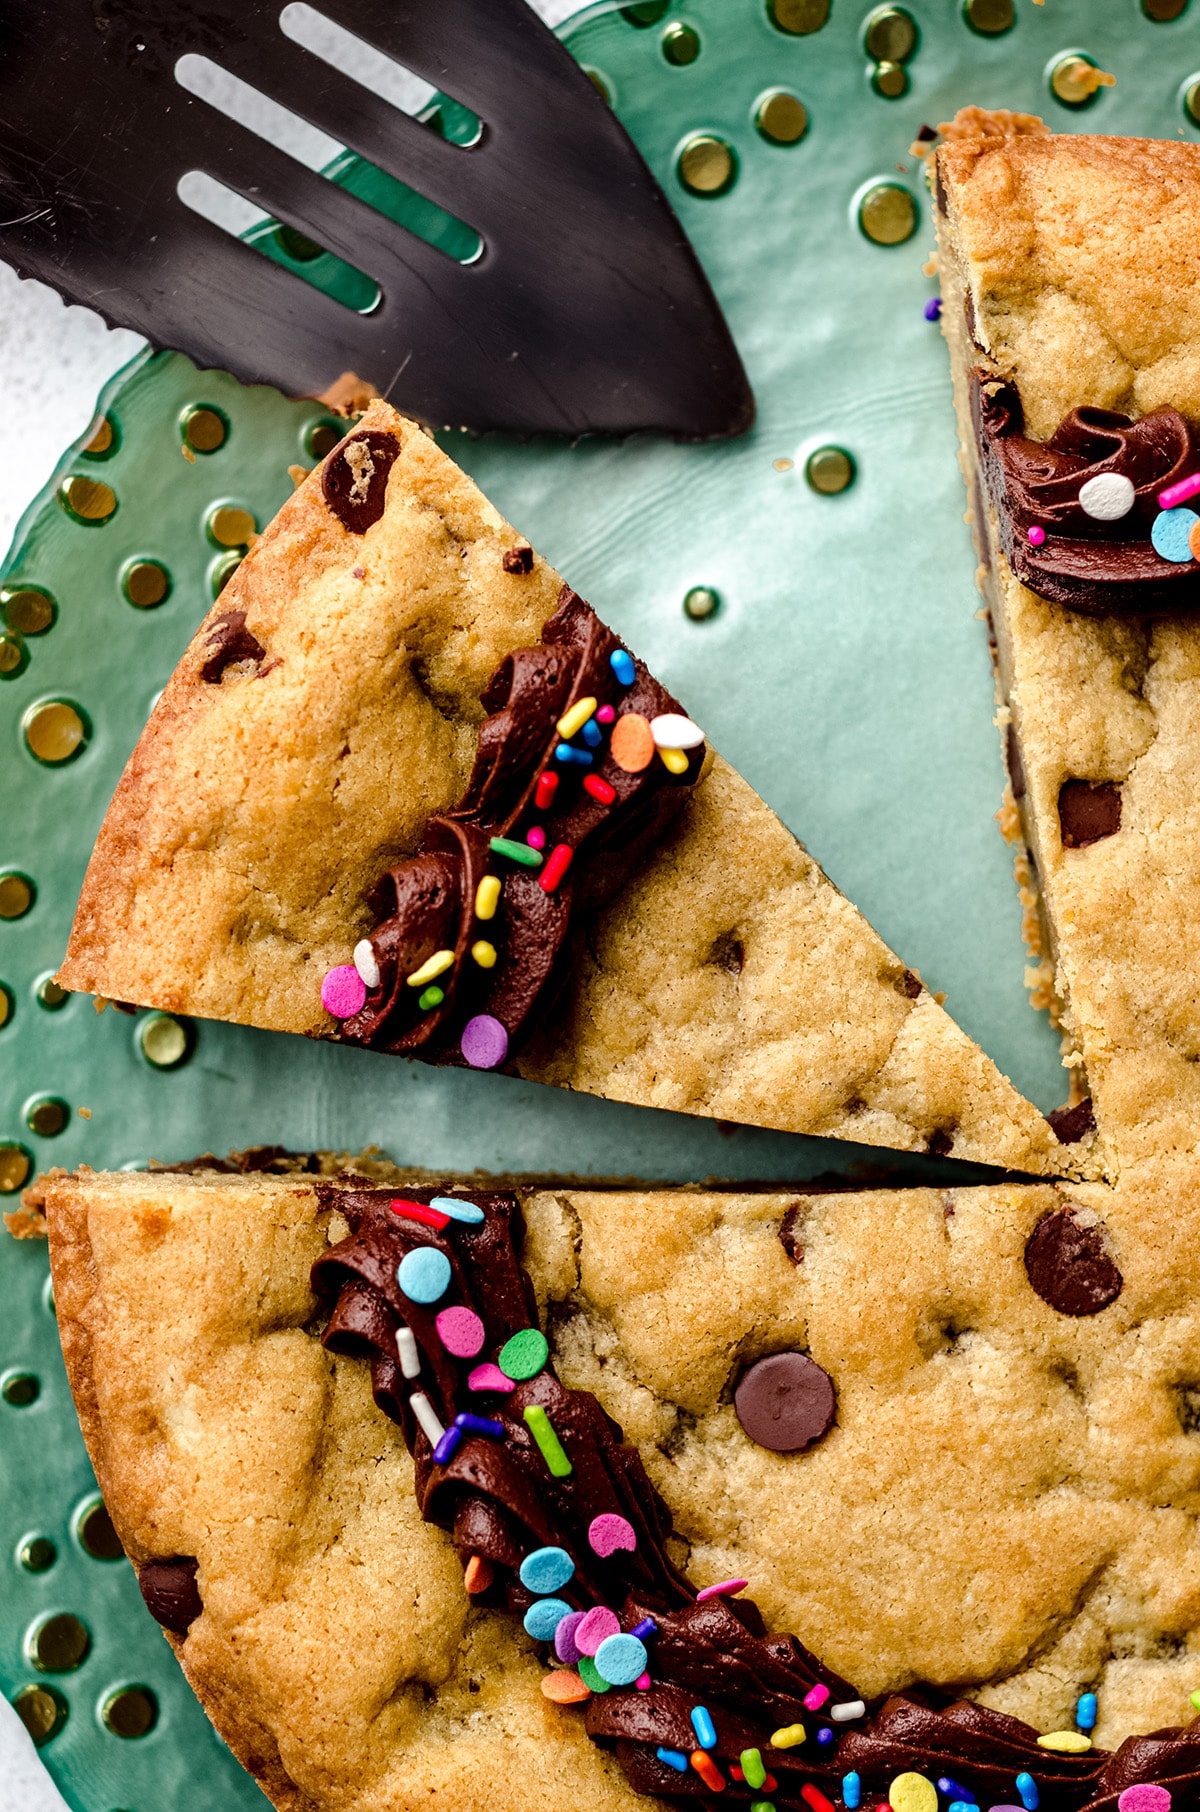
53, 362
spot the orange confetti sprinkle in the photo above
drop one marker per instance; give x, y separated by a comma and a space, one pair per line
479, 1575
563, 1687
632, 744
1194, 540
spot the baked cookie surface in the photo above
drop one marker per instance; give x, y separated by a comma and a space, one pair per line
331, 704
1004, 1504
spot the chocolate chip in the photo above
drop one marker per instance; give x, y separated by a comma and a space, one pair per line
969, 312
169, 1590
354, 479
909, 985
1088, 811
941, 1142
1070, 1124
788, 1237
939, 187
786, 1402
230, 642
1069, 1266
518, 559
1016, 767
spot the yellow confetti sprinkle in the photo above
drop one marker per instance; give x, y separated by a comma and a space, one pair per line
912, 1793
438, 963
572, 721
1065, 1742
487, 897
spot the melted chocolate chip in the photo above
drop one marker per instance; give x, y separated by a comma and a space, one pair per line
1070, 1124
354, 481
518, 559
1088, 811
1016, 767
909, 985
170, 1593
939, 187
230, 642
1069, 1266
789, 1238
786, 1402
941, 1142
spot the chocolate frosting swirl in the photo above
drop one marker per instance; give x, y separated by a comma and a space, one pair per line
427, 903
498, 1501
1099, 568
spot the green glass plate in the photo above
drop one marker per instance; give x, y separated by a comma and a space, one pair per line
843, 672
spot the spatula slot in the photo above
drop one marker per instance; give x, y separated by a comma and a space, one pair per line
380, 74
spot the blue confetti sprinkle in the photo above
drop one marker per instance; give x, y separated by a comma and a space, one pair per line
546, 1569
674, 1758
702, 1724
1087, 1711
851, 1792
458, 1210
1170, 532
424, 1274
621, 1660
1027, 1787
623, 667
543, 1618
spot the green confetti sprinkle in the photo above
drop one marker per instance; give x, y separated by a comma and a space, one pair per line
524, 1355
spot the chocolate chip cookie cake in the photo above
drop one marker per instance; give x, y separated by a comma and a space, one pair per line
407, 791
558, 1497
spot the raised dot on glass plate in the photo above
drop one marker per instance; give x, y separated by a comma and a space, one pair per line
15, 1167
781, 117
42, 1710
58, 1644
164, 1041
229, 525
6, 1003
829, 470
37, 1554
1163, 11
131, 1711
17, 894
95, 1533
890, 35
706, 165
87, 500
680, 45
14, 657
990, 17
20, 1389
103, 439
28, 609
222, 571
47, 1115
146, 583
51, 994
701, 603
644, 13
798, 17
320, 438
56, 731
888, 213
204, 428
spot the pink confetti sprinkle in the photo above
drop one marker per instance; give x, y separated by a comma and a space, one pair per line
489, 1377
343, 992
594, 1628
460, 1332
605, 714
536, 838
564, 1638
607, 1533
728, 1588
1036, 535
484, 1042
643, 1683
1174, 493
1147, 1796
816, 1697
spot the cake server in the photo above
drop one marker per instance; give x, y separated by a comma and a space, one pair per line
585, 312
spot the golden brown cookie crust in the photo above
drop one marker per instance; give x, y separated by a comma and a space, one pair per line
256, 814
1008, 1499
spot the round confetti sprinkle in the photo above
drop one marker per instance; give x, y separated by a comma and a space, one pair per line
563, 1687
607, 1533
621, 1660
546, 1569
564, 1638
484, 1042
590, 1674
543, 1618
488, 1377
1169, 534
595, 1627
912, 1793
461, 1333
632, 745
1065, 1742
1147, 1796
343, 992
1194, 541
524, 1355
470, 1213
424, 1274
673, 731
1036, 536
366, 962
1107, 497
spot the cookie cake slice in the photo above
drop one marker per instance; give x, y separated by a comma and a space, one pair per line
547, 1465
1070, 273
406, 790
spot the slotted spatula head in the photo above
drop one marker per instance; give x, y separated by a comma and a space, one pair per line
586, 311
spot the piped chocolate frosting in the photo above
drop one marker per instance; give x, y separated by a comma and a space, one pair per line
592, 801
501, 1501
1095, 566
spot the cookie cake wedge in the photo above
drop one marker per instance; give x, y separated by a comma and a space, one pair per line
1071, 281
493, 1496
406, 790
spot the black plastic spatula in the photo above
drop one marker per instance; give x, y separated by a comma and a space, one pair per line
586, 311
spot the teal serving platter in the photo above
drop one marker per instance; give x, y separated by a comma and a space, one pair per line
843, 671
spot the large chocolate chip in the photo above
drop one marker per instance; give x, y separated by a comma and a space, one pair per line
1088, 811
230, 642
354, 481
518, 559
1069, 1266
169, 1589
786, 1402
1070, 1124
789, 1237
